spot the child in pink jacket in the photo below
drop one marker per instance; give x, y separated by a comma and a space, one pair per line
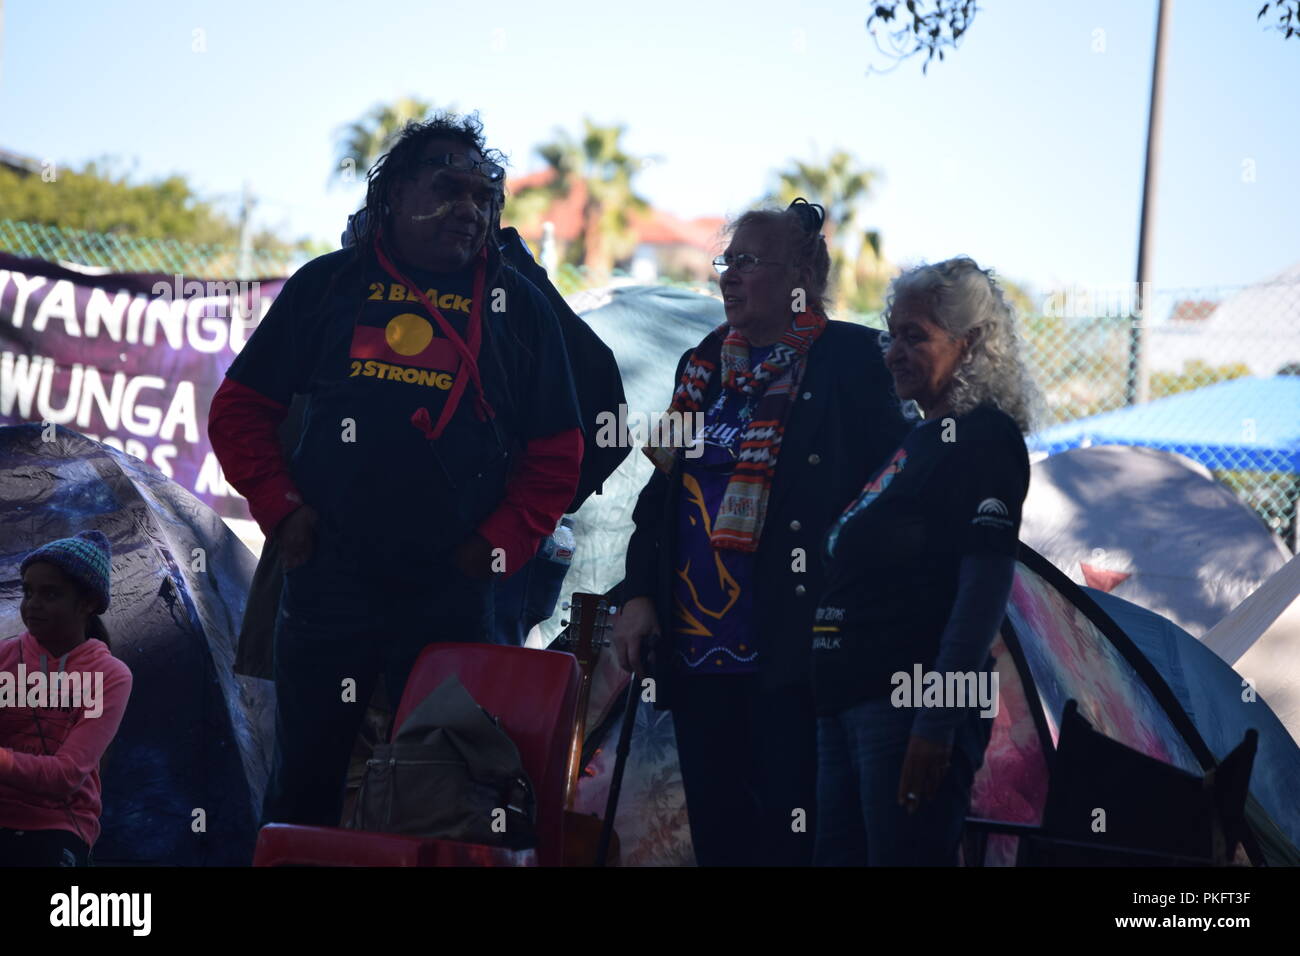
62, 696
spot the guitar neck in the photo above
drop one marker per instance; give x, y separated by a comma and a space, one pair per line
586, 638
579, 738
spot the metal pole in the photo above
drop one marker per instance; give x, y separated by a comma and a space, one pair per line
620, 765
1136, 384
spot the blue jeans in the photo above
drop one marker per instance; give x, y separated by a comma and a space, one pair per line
526, 598
335, 625
860, 752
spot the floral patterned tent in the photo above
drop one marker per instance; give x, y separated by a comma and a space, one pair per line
1057, 644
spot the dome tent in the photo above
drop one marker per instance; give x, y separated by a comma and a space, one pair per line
1211, 693
1145, 684
1149, 526
195, 737
1057, 642
1261, 640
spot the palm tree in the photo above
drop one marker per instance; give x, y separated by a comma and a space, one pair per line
597, 165
364, 140
843, 187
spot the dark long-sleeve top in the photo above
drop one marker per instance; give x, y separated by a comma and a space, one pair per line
844, 423
362, 347
914, 586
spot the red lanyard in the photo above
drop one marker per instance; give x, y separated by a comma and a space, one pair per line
468, 351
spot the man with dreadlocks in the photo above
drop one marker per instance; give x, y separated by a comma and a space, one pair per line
441, 441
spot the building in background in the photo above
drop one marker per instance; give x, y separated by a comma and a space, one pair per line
1257, 326
666, 246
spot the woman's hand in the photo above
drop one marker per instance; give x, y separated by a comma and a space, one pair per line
924, 768
297, 537
634, 621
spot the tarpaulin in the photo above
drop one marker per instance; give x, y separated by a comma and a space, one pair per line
184, 778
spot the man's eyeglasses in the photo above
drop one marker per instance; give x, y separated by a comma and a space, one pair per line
493, 172
743, 263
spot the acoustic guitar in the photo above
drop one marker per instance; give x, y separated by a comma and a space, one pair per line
584, 637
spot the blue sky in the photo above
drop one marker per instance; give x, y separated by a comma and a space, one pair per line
1025, 149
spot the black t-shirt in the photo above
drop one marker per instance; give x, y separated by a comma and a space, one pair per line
955, 487
369, 356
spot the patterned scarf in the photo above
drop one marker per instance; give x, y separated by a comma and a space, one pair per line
744, 504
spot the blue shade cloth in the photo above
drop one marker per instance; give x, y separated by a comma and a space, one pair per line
1247, 423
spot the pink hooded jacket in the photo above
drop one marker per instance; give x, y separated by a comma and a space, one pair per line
49, 755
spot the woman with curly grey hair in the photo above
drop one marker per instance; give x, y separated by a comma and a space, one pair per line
919, 570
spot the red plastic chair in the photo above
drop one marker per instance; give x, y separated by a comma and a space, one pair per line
534, 693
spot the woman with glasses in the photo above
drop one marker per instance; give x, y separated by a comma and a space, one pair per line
919, 570
723, 567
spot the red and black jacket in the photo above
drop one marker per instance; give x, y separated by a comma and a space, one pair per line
356, 344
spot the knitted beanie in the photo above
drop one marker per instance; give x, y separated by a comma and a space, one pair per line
87, 558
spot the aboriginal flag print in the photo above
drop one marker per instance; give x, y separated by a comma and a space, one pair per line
406, 339
395, 340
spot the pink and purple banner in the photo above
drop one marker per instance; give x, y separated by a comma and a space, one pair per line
128, 359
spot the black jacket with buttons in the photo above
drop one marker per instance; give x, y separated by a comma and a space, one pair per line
845, 423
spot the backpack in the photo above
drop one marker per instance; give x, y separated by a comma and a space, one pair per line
451, 773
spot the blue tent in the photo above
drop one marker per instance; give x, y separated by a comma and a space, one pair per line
1246, 423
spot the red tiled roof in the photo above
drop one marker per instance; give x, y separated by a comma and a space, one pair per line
658, 226
565, 213
654, 226
1192, 310
529, 180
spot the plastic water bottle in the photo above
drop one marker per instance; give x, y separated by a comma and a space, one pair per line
562, 543
546, 575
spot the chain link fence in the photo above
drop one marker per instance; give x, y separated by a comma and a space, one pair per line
1091, 357
1088, 354
114, 253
